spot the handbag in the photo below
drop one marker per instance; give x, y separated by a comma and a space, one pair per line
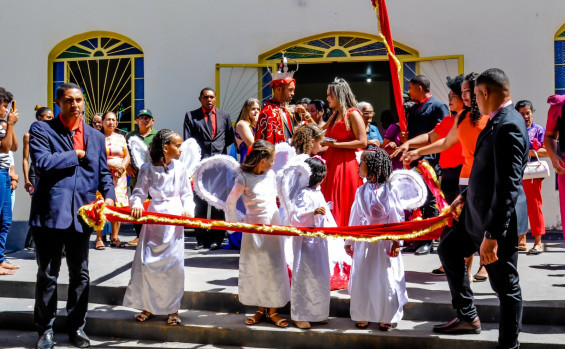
536, 169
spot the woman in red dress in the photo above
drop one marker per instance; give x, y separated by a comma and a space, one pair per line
346, 133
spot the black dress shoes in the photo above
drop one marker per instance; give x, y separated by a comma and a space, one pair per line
79, 339
425, 248
214, 246
46, 341
458, 326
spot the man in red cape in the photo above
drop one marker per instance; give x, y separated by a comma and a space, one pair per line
275, 120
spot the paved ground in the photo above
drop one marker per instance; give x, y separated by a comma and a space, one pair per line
215, 272
542, 276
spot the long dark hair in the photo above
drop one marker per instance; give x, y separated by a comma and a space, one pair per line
473, 111
156, 151
321, 105
260, 150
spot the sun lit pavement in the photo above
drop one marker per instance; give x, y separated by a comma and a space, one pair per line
210, 302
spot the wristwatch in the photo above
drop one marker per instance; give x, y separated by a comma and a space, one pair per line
489, 236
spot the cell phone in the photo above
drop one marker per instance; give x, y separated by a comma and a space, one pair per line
11, 106
330, 140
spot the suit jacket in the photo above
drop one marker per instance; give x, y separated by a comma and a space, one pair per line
495, 200
195, 126
65, 182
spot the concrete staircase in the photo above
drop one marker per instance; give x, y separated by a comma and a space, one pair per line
213, 315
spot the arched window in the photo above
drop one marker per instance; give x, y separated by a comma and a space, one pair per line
344, 47
560, 61
360, 58
109, 69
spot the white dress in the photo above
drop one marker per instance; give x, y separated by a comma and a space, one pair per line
310, 287
376, 285
157, 273
263, 275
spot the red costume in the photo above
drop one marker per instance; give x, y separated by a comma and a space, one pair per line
271, 122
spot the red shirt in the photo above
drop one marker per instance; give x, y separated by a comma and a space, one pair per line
451, 157
78, 135
213, 115
424, 101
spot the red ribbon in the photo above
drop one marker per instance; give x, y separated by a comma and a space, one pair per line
92, 211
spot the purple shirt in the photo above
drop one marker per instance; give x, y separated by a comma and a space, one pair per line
535, 132
393, 134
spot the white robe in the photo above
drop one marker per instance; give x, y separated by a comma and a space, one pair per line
376, 285
263, 275
157, 273
310, 287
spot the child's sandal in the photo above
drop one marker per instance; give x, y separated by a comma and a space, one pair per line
255, 318
362, 324
143, 316
303, 325
281, 322
383, 326
174, 319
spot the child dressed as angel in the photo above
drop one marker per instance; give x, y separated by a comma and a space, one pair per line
157, 273
377, 286
310, 287
263, 276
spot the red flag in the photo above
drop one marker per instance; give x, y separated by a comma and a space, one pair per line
384, 32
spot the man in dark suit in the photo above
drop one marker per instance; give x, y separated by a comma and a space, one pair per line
495, 212
70, 157
213, 131
422, 118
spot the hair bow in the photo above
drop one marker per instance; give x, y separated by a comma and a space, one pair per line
319, 158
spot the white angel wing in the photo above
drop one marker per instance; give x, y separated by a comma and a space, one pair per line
290, 179
358, 156
409, 188
138, 151
190, 155
284, 153
214, 179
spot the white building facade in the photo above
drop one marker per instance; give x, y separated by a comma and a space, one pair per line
160, 54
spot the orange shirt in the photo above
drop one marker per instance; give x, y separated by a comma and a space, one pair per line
451, 157
468, 134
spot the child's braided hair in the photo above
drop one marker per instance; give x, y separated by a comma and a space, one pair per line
379, 165
156, 151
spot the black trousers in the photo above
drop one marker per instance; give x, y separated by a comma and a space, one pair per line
204, 236
450, 183
503, 276
49, 246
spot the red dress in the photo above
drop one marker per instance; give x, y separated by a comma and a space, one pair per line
343, 177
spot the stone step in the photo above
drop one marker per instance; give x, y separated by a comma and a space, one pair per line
535, 313
28, 339
218, 328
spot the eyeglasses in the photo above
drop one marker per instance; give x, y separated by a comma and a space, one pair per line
97, 122
368, 113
